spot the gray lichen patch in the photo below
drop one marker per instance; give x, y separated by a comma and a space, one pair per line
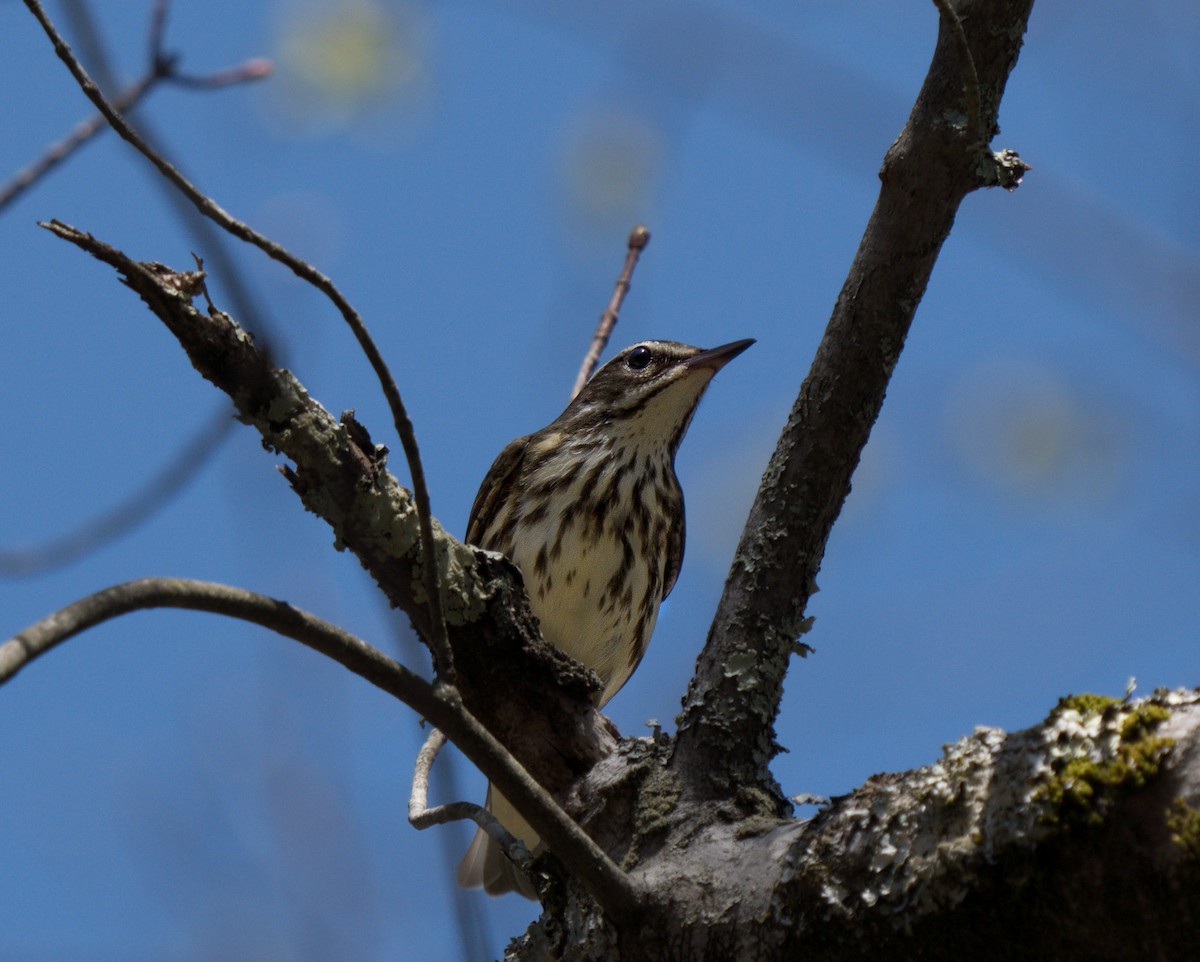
290, 404
464, 596
656, 802
380, 521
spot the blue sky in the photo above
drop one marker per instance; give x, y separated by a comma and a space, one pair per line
1025, 523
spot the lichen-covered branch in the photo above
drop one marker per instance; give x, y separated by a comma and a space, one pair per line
532, 697
1076, 838
726, 734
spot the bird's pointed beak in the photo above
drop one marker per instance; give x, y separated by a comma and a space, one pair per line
717, 357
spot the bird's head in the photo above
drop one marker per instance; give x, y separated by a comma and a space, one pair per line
648, 392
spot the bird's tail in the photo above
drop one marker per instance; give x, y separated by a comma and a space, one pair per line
486, 866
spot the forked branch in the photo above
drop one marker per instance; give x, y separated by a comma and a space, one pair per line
162, 68
532, 696
421, 816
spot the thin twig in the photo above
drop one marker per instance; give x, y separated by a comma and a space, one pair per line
424, 765
639, 237
80, 134
143, 503
439, 643
133, 509
970, 76
613, 890
81, 24
471, 926
420, 816
161, 70
256, 68
158, 29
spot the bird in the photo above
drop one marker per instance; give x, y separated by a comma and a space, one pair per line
590, 510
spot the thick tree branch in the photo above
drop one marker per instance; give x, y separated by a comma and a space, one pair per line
440, 704
1077, 838
726, 734
532, 696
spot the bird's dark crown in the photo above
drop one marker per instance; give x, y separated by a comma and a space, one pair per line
651, 389
639, 372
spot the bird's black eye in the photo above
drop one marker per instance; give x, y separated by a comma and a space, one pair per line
639, 357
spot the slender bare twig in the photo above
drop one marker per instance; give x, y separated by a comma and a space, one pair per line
56, 153
471, 926
158, 28
161, 70
440, 703
133, 509
279, 616
975, 129
256, 68
438, 641
155, 493
421, 816
81, 23
639, 237
424, 764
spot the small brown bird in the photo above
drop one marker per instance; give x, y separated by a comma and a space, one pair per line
590, 510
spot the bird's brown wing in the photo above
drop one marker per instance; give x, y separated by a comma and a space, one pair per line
675, 538
496, 485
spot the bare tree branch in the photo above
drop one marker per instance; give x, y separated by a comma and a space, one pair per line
161, 69
1031, 844
950, 18
421, 816
726, 739
470, 925
279, 616
535, 698
439, 703
138, 507
435, 631
340, 476
1076, 838
639, 237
